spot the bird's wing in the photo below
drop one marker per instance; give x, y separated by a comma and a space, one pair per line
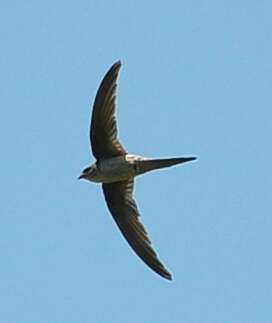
125, 213
103, 130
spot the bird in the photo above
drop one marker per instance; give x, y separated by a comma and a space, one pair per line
116, 169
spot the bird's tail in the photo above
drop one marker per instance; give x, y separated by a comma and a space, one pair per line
147, 165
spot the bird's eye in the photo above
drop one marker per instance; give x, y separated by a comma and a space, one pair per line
86, 170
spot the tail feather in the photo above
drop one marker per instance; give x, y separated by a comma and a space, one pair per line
147, 165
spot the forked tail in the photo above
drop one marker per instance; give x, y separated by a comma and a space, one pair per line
147, 165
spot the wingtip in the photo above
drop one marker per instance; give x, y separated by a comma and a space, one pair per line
114, 69
163, 272
168, 277
117, 64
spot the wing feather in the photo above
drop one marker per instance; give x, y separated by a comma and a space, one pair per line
103, 130
125, 213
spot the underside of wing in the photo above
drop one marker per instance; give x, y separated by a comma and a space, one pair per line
103, 131
125, 213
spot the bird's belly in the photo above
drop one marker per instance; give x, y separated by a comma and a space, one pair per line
114, 170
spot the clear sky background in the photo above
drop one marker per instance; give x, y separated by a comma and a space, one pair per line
196, 80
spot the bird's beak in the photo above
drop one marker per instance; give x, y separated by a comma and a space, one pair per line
81, 176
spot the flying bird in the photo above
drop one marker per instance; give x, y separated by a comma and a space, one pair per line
116, 170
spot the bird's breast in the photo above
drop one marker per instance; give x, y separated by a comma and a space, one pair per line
115, 169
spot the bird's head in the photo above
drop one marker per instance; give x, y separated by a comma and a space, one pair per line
88, 173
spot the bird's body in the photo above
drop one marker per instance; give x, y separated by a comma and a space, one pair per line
113, 169
116, 170
126, 167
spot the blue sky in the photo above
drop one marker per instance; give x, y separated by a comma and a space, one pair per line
196, 79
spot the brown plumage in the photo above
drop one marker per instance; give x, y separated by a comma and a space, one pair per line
103, 130
125, 213
116, 170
